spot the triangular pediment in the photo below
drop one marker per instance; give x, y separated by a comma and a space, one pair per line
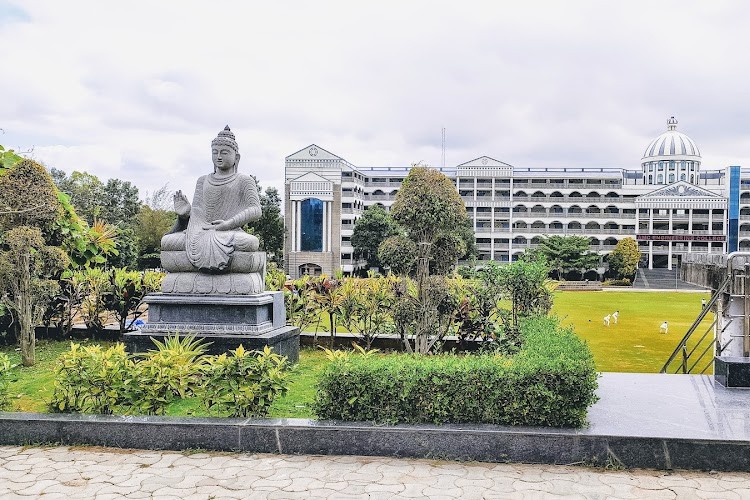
313, 152
680, 190
310, 177
483, 162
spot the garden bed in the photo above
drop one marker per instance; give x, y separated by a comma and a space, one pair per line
31, 387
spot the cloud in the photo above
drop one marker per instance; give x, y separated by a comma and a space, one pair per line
137, 90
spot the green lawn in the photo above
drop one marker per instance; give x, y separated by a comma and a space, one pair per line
634, 344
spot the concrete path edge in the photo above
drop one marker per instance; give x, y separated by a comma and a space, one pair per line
484, 443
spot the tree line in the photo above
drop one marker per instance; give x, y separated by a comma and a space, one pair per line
59, 231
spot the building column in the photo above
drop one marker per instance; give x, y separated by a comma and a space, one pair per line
325, 226
292, 226
650, 221
650, 254
298, 226
669, 258
637, 220
710, 221
671, 226
329, 230
690, 221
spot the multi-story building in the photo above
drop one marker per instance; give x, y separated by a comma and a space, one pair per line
671, 205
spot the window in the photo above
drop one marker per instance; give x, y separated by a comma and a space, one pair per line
660, 179
682, 177
312, 225
671, 177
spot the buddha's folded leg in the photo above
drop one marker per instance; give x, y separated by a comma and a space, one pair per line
244, 242
173, 241
176, 261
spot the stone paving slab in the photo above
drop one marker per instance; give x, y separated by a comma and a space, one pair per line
103, 473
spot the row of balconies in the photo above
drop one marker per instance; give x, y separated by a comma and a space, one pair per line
539, 230
380, 197
548, 199
383, 184
566, 185
596, 230
606, 215
572, 199
564, 215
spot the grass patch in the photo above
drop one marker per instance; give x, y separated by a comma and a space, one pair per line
634, 344
32, 387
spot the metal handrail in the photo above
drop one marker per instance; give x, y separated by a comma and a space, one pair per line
681, 346
705, 351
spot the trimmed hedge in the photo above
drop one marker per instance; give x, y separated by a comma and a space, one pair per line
550, 382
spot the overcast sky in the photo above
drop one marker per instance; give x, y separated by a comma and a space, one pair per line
137, 90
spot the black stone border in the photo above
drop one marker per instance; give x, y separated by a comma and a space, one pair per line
483, 443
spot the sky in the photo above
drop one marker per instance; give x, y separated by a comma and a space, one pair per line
137, 90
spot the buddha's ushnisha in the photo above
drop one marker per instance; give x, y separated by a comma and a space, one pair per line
210, 230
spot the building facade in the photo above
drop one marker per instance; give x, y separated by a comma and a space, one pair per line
671, 205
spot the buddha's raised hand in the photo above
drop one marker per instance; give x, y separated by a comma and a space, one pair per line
181, 204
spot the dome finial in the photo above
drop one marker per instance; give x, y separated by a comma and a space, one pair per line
671, 123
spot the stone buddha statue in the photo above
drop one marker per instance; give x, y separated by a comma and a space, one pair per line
207, 251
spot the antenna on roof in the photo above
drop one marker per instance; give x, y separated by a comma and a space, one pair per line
443, 158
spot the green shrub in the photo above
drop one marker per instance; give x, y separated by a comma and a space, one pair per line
275, 277
90, 379
5, 367
620, 282
126, 292
551, 381
106, 381
244, 384
169, 372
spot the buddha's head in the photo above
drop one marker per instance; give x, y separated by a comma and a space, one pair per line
224, 152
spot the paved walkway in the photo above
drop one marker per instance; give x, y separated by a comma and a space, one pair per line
64, 472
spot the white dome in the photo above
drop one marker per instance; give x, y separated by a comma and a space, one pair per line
671, 143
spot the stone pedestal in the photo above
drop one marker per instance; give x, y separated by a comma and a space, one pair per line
732, 371
226, 321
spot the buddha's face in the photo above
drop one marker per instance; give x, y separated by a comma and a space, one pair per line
224, 158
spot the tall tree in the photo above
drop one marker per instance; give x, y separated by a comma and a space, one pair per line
120, 204
568, 253
270, 227
153, 223
371, 229
431, 212
86, 192
29, 267
623, 261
